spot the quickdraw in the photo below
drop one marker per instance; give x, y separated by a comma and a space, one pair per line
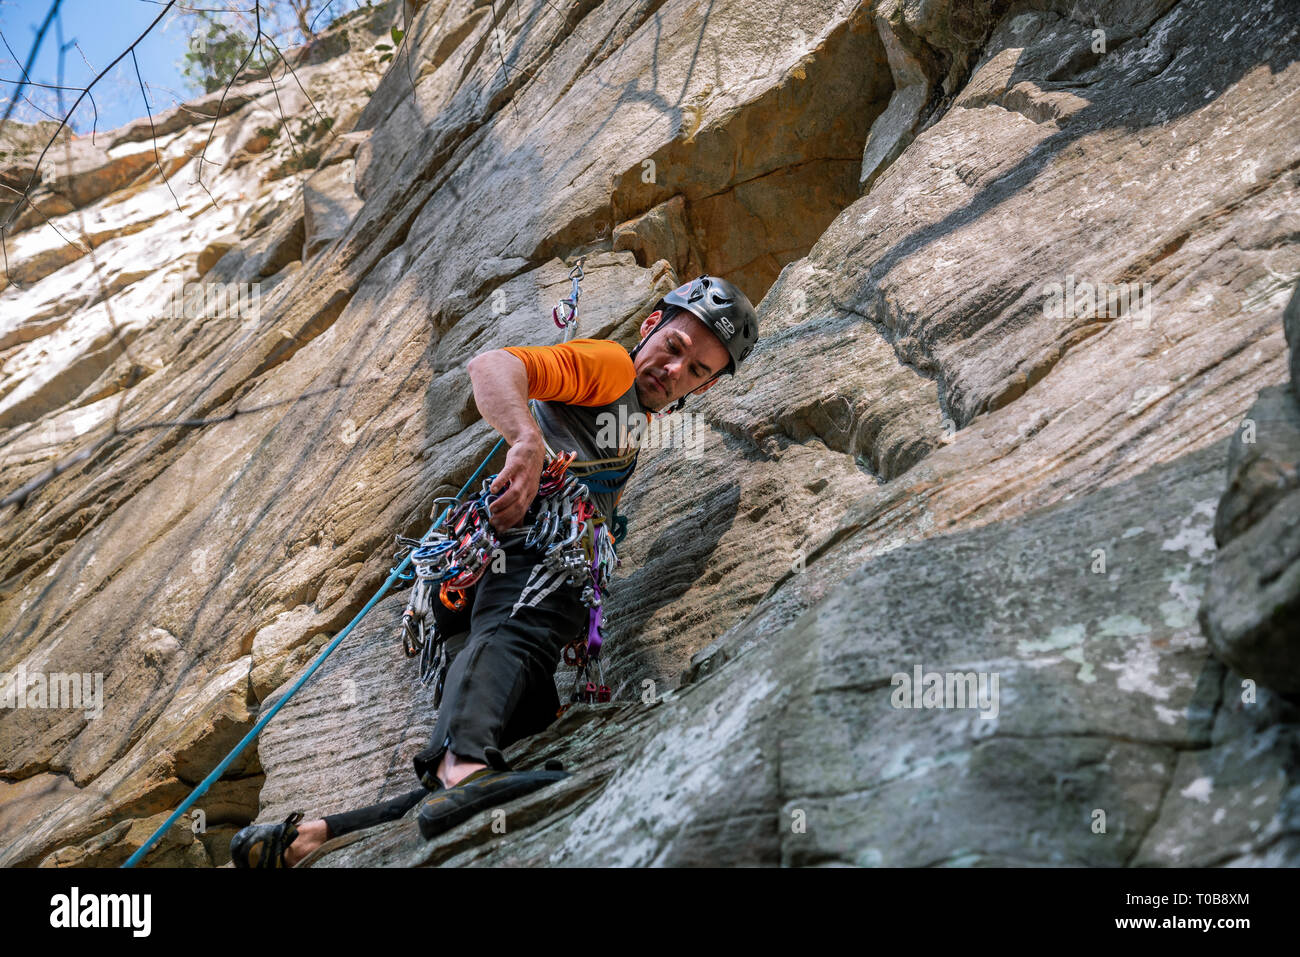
565, 313
566, 528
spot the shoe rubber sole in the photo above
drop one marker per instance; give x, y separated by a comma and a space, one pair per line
456, 805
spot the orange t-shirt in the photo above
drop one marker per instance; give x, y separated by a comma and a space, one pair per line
578, 372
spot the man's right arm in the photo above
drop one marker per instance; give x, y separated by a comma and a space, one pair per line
501, 394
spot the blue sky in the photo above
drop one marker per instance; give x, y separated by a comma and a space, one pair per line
102, 29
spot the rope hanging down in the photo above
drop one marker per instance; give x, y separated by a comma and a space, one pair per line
394, 576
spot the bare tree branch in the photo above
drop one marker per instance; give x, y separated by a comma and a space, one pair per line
312, 25
52, 86
64, 122
31, 59
275, 90
198, 173
148, 111
295, 76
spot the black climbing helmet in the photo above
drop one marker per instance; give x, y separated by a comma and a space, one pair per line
722, 307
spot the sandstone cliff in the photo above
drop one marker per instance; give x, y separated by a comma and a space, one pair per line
923, 463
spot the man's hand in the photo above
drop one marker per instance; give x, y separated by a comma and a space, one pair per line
518, 478
501, 394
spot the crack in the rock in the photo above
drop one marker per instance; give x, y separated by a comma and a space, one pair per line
1178, 746
1155, 816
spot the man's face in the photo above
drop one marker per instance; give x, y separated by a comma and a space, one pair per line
678, 359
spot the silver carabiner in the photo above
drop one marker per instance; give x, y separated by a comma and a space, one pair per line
545, 528
575, 532
569, 306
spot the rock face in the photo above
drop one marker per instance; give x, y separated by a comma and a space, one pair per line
1021, 270
795, 753
1251, 611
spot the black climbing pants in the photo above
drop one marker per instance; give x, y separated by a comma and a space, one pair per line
504, 646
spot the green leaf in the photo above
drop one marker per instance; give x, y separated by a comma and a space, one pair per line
385, 58
382, 46
396, 34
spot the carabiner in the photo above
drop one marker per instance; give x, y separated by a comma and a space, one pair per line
575, 532
412, 633
453, 599
570, 304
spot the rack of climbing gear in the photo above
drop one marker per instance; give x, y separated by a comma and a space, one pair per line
566, 528
452, 561
565, 313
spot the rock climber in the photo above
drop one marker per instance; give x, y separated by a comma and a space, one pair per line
500, 685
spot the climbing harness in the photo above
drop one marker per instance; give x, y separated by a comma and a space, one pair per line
566, 528
565, 313
603, 476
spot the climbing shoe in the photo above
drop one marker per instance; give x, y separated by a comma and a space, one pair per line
483, 789
263, 845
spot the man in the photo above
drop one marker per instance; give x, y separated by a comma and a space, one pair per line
500, 686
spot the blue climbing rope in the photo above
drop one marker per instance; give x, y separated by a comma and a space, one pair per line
396, 575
